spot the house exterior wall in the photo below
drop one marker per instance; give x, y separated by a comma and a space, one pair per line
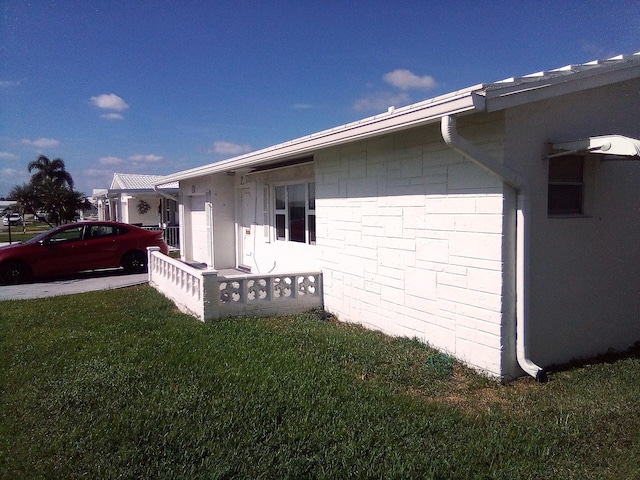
151, 217
584, 271
269, 254
410, 239
415, 240
215, 239
223, 210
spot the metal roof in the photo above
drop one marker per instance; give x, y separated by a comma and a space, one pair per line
479, 98
130, 181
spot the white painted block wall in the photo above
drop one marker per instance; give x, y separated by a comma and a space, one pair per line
410, 239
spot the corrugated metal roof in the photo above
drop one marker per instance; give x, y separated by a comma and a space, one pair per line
130, 181
483, 97
571, 69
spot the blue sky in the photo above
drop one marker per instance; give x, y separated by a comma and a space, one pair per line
158, 86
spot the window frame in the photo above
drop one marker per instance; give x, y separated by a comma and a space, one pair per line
566, 192
283, 214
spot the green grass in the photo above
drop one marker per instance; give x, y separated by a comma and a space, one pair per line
17, 235
120, 385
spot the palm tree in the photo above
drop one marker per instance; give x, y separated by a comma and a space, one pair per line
25, 197
52, 170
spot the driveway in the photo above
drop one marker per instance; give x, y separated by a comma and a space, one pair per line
84, 282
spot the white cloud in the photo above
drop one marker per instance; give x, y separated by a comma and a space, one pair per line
8, 156
111, 161
112, 116
97, 173
41, 142
380, 101
145, 158
405, 80
228, 148
9, 172
10, 177
109, 101
9, 84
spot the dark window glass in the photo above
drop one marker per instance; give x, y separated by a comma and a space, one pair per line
565, 199
67, 235
312, 196
312, 229
280, 198
296, 212
280, 227
566, 185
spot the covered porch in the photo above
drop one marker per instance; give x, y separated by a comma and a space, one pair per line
209, 294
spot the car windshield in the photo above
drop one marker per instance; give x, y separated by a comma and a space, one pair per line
38, 237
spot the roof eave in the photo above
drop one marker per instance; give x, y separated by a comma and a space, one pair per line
393, 120
532, 89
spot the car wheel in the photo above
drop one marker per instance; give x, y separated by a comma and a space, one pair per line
135, 262
14, 272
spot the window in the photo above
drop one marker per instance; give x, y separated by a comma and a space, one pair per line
566, 185
295, 212
97, 231
67, 235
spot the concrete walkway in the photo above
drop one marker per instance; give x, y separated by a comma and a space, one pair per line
86, 282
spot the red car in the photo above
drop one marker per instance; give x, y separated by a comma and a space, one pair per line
78, 247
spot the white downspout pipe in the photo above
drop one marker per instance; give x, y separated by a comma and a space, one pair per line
487, 162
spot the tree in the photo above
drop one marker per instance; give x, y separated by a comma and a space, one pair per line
50, 170
24, 196
49, 191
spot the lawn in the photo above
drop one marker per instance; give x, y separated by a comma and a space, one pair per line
120, 385
17, 234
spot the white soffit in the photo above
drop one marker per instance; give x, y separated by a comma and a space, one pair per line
606, 144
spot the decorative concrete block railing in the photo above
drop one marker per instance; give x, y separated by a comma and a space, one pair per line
208, 295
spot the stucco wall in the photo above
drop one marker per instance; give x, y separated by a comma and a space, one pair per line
132, 215
271, 255
218, 193
584, 272
411, 243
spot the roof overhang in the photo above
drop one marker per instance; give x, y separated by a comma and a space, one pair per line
614, 145
393, 120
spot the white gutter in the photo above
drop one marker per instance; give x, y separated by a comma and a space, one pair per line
487, 162
395, 119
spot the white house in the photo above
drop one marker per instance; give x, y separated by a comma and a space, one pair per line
133, 199
499, 223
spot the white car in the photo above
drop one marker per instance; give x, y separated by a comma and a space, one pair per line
12, 219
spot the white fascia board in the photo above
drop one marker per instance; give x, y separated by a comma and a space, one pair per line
394, 120
503, 97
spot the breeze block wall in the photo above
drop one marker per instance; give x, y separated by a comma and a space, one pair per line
411, 239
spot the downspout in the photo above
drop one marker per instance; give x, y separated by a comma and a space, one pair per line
487, 162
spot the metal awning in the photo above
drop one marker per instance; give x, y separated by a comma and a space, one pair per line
616, 145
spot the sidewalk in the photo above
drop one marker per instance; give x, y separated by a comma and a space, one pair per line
81, 283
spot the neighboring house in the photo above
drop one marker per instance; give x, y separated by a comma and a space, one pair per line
133, 199
499, 223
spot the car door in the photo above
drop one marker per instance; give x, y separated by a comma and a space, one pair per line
103, 244
64, 251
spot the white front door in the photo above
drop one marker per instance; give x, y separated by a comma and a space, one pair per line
246, 229
198, 221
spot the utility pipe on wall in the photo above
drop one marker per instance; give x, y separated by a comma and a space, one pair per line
487, 162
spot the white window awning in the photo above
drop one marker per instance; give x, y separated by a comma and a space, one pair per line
617, 145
